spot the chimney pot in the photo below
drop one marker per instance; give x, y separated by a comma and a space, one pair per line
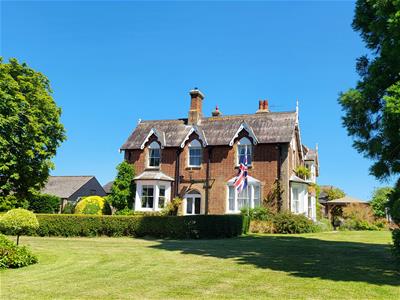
216, 112
262, 106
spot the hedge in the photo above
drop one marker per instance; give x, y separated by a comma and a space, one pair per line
396, 242
179, 227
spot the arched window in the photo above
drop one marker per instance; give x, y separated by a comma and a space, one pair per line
245, 150
154, 155
195, 154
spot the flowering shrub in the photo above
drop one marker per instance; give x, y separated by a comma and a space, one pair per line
92, 205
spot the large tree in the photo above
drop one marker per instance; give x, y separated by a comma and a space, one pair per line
122, 195
30, 129
372, 108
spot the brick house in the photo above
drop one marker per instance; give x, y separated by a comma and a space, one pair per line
197, 159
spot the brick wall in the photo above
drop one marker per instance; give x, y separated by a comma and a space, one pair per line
222, 168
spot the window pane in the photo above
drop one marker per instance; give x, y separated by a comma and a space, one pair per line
161, 197
197, 206
195, 156
231, 196
147, 196
243, 199
189, 206
154, 157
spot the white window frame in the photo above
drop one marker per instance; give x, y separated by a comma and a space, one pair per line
195, 145
251, 189
246, 144
157, 184
193, 195
152, 146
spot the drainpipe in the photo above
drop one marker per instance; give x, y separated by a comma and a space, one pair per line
278, 186
177, 172
208, 179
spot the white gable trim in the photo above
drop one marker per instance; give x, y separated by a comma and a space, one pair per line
160, 138
244, 126
196, 130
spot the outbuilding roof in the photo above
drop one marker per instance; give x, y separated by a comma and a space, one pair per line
270, 127
64, 186
347, 199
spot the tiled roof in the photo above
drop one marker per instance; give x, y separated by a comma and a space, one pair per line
347, 199
64, 186
271, 127
107, 187
153, 175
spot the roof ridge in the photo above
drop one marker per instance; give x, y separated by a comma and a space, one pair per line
72, 176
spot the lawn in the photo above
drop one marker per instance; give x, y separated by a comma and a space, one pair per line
355, 265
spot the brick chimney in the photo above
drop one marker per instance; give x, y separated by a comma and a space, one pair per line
262, 106
196, 105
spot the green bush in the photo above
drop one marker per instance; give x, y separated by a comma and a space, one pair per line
44, 203
92, 205
18, 221
396, 242
258, 213
10, 202
356, 224
180, 227
13, 256
172, 207
324, 224
125, 212
69, 208
291, 223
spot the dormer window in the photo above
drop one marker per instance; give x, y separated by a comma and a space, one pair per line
244, 149
154, 155
195, 154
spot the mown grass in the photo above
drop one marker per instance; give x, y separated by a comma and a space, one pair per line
343, 265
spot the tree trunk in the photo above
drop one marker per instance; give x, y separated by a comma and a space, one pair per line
17, 239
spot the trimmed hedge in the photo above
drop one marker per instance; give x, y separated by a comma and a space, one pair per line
396, 242
179, 227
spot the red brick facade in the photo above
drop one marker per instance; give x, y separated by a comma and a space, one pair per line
222, 168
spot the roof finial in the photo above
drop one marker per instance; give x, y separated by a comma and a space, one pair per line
139, 121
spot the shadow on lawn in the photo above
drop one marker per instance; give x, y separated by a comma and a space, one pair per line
302, 257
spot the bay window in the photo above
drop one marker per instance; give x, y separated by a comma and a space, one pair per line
152, 195
250, 196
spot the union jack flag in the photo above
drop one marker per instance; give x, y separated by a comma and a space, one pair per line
240, 182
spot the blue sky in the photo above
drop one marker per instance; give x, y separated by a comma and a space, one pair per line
111, 63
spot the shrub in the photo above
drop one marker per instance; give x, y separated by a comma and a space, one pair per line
11, 201
44, 203
125, 212
359, 217
291, 223
354, 224
258, 213
13, 256
18, 221
69, 208
200, 226
122, 189
303, 172
172, 207
379, 201
324, 224
396, 242
259, 226
92, 205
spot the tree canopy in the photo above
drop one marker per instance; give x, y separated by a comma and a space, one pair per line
372, 108
122, 195
30, 129
379, 201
